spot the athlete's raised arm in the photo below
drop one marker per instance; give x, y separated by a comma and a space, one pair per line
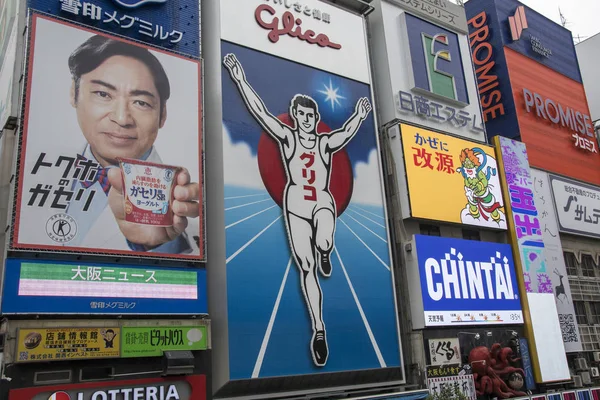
255, 105
339, 138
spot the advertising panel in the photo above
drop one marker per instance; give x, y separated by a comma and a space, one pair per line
48, 287
577, 206
444, 351
555, 260
304, 209
173, 24
554, 120
427, 75
7, 76
461, 173
463, 282
62, 344
525, 233
114, 101
191, 387
446, 381
153, 341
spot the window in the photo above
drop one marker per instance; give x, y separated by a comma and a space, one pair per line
580, 312
571, 263
595, 309
588, 265
429, 230
470, 234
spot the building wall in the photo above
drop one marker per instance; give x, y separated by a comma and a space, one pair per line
589, 60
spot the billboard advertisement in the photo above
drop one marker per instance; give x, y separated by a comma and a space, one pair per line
191, 387
426, 75
577, 205
154, 341
463, 174
64, 344
57, 287
554, 120
172, 25
555, 260
525, 234
462, 282
304, 209
117, 103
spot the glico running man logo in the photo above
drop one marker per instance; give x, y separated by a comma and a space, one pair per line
441, 60
518, 23
137, 3
309, 208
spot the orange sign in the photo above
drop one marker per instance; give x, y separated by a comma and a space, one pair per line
554, 119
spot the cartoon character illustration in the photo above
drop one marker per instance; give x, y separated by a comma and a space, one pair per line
481, 202
308, 206
108, 336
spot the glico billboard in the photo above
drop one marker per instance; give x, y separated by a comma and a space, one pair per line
309, 275
422, 62
530, 86
123, 173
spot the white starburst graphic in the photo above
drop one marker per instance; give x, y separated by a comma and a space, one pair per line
331, 95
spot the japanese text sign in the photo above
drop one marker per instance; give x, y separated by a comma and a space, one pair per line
54, 344
577, 206
444, 351
153, 341
173, 24
70, 196
443, 12
70, 288
465, 282
462, 175
525, 224
440, 378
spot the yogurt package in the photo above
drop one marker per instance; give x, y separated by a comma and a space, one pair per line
148, 191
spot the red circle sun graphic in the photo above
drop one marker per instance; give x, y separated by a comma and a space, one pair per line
273, 174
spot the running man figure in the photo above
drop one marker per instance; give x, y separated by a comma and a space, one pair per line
308, 205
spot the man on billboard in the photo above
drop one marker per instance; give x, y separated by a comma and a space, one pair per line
120, 93
309, 207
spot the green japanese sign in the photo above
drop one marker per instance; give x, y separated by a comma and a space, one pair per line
153, 341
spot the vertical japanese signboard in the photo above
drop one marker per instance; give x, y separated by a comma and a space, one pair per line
555, 260
112, 100
462, 173
525, 232
304, 208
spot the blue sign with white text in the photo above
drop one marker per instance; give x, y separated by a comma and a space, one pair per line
465, 282
172, 25
60, 287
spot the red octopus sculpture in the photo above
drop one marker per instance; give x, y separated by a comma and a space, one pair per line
490, 369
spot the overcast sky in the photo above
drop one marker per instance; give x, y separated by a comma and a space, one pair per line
583, 16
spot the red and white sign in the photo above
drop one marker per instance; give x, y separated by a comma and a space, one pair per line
191, 387
310, 32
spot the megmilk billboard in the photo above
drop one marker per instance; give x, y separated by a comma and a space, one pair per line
309, 281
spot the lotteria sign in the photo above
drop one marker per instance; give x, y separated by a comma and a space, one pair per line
189, 388
466, 282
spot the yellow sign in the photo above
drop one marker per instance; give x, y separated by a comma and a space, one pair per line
452, 180
67, 344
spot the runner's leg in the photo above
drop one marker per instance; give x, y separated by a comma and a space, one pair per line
324, 229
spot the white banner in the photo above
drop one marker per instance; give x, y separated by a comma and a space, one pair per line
555, 261
577, 206
309, 32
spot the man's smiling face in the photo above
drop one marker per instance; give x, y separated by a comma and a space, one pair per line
306, 118
118, 109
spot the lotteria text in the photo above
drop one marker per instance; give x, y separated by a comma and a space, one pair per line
291, 26
455, 278
483, 58
138, 393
